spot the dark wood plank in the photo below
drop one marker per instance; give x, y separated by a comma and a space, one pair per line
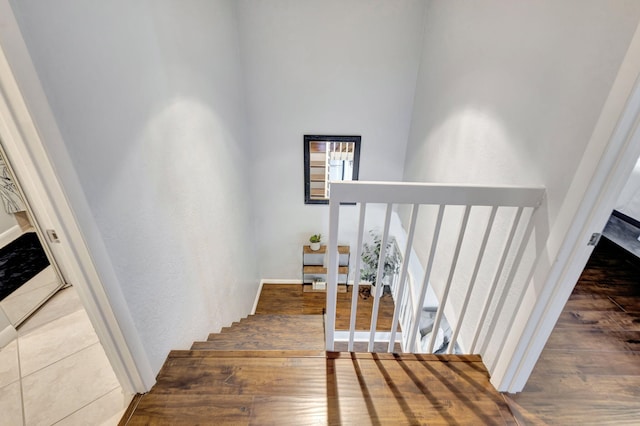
361, 410
582, 363
176, 409
590, 303
603, 320
569, 388
243, 376
592, 339
627, 303
582, 412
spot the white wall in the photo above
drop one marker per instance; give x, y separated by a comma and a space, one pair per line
629, 198
509, 93
149, 101
330, 67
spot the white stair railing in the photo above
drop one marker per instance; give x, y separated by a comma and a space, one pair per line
408, 313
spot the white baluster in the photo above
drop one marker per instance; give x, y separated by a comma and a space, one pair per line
356, 276
379, 276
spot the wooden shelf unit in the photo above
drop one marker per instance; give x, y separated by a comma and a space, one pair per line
313, 262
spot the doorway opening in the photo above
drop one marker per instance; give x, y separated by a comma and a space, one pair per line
29, 274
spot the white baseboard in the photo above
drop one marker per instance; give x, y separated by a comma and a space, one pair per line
9, 235
255, 301
270, 281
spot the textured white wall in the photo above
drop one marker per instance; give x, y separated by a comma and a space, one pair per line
329, 67
148, 97
509, 93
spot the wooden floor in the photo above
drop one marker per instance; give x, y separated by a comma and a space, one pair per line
589, 371
289, 299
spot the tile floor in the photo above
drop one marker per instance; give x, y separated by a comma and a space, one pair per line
56, 371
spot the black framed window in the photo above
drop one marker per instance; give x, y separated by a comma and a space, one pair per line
328, 159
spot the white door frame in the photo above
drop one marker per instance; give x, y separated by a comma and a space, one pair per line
34, 168
608, 161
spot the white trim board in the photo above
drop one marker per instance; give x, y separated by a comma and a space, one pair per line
270, 281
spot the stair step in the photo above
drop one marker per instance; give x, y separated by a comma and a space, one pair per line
262, 343
279, 326
247, 354
279, 319
230, 329
342, 388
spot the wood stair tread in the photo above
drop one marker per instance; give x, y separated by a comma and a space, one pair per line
286, 371
268, 319
294, 410
269, 332
339, 388
267, 344
247, 354
269, 327
316, 320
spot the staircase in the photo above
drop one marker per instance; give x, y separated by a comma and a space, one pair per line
273, 369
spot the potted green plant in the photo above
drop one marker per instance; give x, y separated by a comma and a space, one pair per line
315, 241
370, 256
